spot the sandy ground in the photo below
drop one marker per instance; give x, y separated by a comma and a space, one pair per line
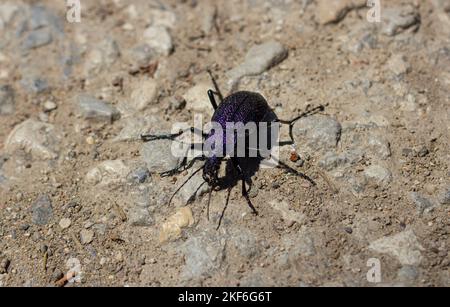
81, 197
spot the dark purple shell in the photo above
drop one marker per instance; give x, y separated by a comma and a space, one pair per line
241, 107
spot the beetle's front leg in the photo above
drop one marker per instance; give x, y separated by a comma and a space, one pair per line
244, 189
171, 136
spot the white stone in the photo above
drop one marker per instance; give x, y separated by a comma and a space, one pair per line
144, 94
108, 173
40, 139
159, 39
65, 223
258, 59
379, 174
197, 98
404, 246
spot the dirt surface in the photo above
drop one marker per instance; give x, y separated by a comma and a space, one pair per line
81, 197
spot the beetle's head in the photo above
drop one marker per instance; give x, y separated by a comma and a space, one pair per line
211, 171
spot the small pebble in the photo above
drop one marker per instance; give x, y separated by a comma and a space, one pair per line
65, 223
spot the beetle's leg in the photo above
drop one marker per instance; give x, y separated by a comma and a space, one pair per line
244, 189
212, 99
224, 208
172, 136
184, 165
287, 168
304, 114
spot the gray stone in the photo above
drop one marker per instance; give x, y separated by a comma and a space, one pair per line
101, 57
398, 19
140, 217
86, 236
144, 94
319, 132
379, 147
7, 100
158, 156
34, 85
95, 109
378, 174
204, 254
42, 210
140, 56
422, 203
41, 17
191, 190
444, 198
37, 38
245, 243
332, 160
135, 126
407, 274
404, 246
139, 175
259, 59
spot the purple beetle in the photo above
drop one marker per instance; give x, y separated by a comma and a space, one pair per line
242, 107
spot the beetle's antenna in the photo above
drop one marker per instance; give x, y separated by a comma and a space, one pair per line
184, 183
216, 86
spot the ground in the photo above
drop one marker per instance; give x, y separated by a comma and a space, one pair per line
82, 202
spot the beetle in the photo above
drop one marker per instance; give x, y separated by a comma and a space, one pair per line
243, 107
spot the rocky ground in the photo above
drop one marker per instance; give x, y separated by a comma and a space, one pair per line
81, 198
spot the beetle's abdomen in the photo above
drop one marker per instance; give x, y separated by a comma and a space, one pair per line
241, 107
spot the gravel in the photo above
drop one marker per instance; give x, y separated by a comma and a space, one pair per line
404, 246
318, 132
94, 109
259, 59
204, 253
42, 210
422, 203
86, 236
